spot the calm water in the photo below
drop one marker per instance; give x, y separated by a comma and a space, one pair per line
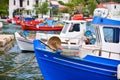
17, 65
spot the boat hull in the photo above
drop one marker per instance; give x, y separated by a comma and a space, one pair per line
24, 44
57, 67
41, 28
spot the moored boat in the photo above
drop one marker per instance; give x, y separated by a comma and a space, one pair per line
43, 25
41, 28
75, 28
102, 63
24, 43
98, 61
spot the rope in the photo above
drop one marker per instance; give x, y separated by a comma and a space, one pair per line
17, 67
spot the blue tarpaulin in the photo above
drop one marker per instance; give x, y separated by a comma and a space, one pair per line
49, 22
28, 19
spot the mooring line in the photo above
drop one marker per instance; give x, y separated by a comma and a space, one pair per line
17, 67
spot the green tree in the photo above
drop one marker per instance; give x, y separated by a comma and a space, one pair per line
55, 11
42, 8
80, 6
4, 7
90, 6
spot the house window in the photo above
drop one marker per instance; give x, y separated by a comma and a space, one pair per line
14, 2
28, 2
21, 3
36, 2
115, 7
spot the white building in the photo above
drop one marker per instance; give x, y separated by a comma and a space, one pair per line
27, 5
16, 6
114, 9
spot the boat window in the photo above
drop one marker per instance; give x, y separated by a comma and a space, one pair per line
111, 34
65, 27
90, 27
74, 27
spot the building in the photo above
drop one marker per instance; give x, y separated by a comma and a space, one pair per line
25, 7
113, 9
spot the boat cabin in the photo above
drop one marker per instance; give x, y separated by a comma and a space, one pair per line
71, 35
108, 37
73, 28
107, 32
73, 31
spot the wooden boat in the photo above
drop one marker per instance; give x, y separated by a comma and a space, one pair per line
101, 62
24, 43
98, 61
45, 25
41, 28
72, 34
68, 41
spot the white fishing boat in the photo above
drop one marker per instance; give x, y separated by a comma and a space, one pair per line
24, 43
71, 35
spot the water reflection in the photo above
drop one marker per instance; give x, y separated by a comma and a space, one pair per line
17, 65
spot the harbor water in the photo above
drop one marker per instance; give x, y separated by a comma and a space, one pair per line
15, 64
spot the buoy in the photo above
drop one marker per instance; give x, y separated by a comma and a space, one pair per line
13, 22
1, 25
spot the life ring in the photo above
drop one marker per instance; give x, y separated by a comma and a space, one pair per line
89, 37
92, 40
88, 33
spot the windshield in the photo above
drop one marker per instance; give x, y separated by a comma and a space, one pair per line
111, 34
74, 27
65, 27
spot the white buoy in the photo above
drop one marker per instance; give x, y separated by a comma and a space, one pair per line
13, 22
118, 72
37, 26
1, 25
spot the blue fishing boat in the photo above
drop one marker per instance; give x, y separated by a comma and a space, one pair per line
102, 63
97, 61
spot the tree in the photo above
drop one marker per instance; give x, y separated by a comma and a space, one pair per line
91, 5
42, 8
4, 7
85, 7
55, 11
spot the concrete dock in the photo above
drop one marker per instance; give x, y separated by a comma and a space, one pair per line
6, 42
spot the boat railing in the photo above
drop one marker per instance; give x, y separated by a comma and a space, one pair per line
96, 50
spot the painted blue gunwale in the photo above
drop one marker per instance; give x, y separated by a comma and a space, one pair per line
105, 21
58, 67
